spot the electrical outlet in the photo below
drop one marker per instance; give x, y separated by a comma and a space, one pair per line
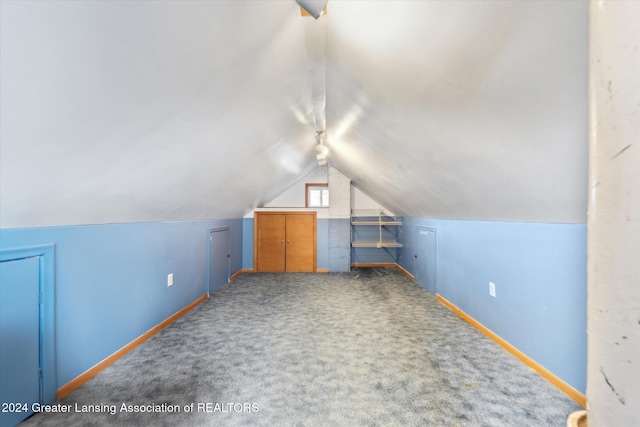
170, 279
492, 289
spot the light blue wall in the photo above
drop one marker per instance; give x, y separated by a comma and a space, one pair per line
247, 243
111, 281
541, 285
339, 245
322, 243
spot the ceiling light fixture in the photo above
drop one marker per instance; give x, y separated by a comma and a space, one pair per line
314, 8
323, 150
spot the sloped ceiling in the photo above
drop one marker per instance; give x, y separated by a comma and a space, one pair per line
124, 111
462, 109
143, 111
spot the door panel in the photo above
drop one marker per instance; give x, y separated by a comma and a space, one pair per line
270, 243
220, 259
19, 336
425, 258
301, 245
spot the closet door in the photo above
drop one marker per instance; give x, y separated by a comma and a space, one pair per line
301, 242
20, 349
270, 242
285, 241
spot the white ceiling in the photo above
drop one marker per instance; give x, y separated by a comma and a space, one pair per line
143, 111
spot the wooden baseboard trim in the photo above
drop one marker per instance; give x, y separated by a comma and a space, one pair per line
235, 275
384, 264
580, 398
406, 273
373, 264
322, 270
78, 381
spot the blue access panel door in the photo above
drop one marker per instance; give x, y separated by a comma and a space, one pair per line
219, 258
425, 258
19, 338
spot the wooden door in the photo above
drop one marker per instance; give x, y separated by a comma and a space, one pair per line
270, 242
301, 242
285, 241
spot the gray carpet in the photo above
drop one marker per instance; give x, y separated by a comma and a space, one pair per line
366, 348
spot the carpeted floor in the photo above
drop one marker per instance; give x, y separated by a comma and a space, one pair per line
366, 348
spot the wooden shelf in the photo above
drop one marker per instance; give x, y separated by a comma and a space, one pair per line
375, 218
372, 244
378, 223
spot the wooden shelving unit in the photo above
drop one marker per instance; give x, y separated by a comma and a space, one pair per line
374, 218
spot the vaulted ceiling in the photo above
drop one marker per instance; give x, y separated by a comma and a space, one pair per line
144, 111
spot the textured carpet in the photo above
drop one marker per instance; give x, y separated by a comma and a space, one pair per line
366, 348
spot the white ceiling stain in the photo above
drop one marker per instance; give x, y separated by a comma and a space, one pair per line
150, 111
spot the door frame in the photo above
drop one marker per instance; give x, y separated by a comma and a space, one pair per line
211, 231
315, 234
47, 356
417, 230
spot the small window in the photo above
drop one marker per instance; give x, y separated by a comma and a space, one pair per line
317, 195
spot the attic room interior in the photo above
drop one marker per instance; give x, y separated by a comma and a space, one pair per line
311, 212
